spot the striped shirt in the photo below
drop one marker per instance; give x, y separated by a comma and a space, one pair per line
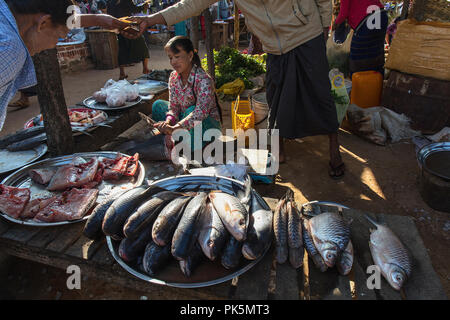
16, 66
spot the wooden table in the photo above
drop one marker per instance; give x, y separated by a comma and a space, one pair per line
65, 245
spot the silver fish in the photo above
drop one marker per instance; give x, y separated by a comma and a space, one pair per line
232, 212
259, 233
232, 253
345, 262
213, 234
186, 233
330, 234
311, 248
280, 231
295, 238
390, 255
167, 220
195, 257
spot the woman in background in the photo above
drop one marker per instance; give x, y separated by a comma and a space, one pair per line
367, 47
130, 50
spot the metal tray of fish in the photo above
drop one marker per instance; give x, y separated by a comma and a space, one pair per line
10, 161
93, 104
21, 179
150, 87
209, 272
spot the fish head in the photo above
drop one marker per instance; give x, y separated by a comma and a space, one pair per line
396, 277
329, 253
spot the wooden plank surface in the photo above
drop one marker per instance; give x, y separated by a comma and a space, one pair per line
84, 248
287, 282
254, 284
66, 238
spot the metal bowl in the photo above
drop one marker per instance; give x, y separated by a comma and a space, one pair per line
435, 176
208, 273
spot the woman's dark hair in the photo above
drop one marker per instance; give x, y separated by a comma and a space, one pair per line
185, 44
57, 9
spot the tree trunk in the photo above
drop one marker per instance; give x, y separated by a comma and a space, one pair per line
195, 33
53, 104
209, 44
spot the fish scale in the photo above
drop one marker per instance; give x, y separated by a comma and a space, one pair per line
280, 231
311, 248
391, 248
331, 227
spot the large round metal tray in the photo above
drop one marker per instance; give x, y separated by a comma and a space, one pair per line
21, 179
208, 273
93, 104
10, 161
148, 87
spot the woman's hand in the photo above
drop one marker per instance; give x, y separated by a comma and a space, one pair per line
165, 127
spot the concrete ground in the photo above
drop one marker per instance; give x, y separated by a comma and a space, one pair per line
378, 179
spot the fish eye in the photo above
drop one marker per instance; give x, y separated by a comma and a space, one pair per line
241, 222
330, 256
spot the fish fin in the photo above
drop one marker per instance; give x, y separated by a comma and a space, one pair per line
371, 220
248, 190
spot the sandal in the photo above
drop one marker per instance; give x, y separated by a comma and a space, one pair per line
337, 172
123, 77
19, 104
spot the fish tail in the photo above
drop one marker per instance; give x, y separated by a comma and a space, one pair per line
248, 189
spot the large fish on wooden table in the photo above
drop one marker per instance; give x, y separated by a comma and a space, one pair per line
259, 233
389, 253
232, 212
330, 234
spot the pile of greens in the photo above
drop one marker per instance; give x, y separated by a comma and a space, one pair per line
231, 64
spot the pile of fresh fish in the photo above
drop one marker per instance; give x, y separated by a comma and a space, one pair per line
287, 228
156, 226
325, 236
24, 139
390, 255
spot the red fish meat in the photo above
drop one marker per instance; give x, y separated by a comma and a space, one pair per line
75, 174
42, 176
70, 205
13, 200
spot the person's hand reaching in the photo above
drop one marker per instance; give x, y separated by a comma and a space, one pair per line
143, 23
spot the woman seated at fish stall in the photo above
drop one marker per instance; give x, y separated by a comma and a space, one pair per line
192, 97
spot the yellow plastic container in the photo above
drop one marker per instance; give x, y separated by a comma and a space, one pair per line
366, 89
242, 115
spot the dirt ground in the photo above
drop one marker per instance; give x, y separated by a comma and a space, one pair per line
378, 179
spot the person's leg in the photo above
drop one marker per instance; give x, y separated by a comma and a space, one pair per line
159, 110
145, 69
22, 102
337, 166
122, 75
